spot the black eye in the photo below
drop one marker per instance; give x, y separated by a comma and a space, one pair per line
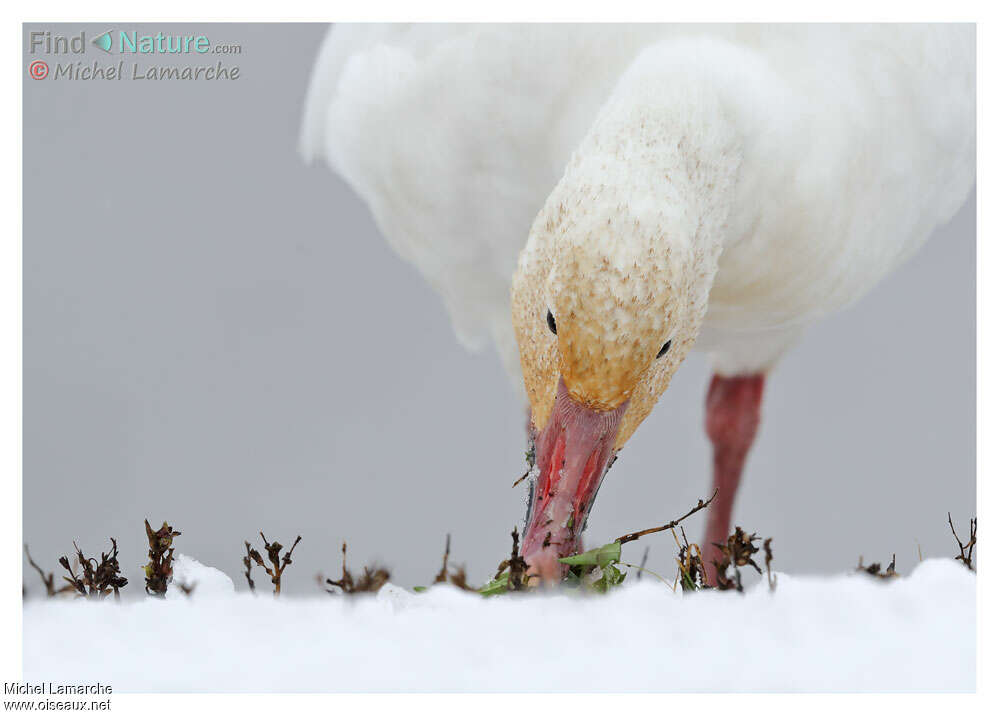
664, 349
551, 323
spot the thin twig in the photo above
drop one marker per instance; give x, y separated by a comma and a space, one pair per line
769, 553
278, 563
248, 561
442, 575
632, 536
371, 580
970, 546
641, 567
47, 580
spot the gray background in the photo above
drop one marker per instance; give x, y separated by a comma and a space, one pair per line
216, 334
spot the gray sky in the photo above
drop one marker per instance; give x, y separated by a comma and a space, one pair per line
217, 335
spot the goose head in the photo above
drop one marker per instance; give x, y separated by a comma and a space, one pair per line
607, 300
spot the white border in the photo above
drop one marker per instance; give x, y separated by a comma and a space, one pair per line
509, 10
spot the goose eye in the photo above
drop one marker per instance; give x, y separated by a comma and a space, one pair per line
663, 350
551, 323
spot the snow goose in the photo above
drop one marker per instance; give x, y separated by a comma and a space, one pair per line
629, 193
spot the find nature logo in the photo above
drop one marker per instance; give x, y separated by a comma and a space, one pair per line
150, 56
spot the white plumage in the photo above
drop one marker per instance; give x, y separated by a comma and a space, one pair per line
855, 142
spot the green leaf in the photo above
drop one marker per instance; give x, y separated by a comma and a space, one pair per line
419, 589
613, 575
686, 582
610, 577
601, 556
500, 585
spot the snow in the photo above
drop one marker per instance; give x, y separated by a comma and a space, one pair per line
205, 581
845, 633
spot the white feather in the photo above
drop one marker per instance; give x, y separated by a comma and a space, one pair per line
857, 141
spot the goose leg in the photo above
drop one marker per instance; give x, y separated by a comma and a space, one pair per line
731, 418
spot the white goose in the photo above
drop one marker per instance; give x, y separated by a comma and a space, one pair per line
665, 188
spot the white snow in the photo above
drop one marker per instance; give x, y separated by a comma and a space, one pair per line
847, 633
203, 580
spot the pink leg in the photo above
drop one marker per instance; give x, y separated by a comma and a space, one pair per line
732, 416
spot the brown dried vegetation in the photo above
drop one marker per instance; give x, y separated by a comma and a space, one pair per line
874, 569
371, 580
701, 504
690, 566
48, 579
516, 565
966, 548
769, 554
456, 576
248, 566
278, 563
737, 552
160, 568
97, 579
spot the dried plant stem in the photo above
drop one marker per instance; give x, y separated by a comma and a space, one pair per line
769, 554
47, 579
641, 567
278, 562
248, 564
632, 536
98, 579
371, 580
966, 548
159, 571
442, 575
